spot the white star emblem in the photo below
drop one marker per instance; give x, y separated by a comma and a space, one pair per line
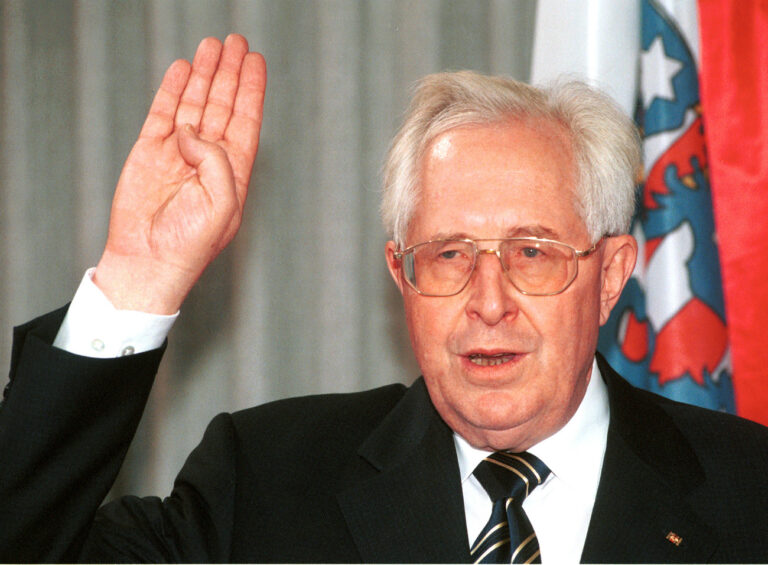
657, 72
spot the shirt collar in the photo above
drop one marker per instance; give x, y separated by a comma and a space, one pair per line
574, 453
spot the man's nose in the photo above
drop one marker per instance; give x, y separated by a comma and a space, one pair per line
492, 296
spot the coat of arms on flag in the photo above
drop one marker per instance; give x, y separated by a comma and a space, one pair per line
667, 334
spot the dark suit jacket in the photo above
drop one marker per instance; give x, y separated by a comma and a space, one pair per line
370, 476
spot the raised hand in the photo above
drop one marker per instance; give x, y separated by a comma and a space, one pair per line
180, 197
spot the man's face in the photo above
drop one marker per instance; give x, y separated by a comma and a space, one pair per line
490, 182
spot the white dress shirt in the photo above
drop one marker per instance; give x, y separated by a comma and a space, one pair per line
561, 507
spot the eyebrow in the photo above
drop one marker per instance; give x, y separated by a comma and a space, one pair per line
534, 230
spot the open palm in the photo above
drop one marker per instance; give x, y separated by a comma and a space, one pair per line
180, 197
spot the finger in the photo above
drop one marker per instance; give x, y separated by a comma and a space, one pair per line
245, 124
193, 99
221, 97
160, 120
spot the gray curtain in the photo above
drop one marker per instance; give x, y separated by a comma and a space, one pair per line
301, 302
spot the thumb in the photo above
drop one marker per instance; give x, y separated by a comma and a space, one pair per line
210, 160
193, 149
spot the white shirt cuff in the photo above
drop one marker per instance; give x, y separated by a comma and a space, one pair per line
93, 327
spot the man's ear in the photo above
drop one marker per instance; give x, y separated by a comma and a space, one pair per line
394, 265
619, 258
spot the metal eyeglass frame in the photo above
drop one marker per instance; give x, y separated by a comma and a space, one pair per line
495, 251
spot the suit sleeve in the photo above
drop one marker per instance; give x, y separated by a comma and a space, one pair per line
194, 524
65, 425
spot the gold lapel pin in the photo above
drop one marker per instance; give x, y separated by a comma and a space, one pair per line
672, 537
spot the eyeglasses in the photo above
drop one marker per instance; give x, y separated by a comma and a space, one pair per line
536, 267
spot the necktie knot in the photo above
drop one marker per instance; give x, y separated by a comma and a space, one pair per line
511, 475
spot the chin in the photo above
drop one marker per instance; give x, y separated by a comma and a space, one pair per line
494, 421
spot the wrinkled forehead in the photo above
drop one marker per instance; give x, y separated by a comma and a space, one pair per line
512, 176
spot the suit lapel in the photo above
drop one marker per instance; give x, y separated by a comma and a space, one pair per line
640, 511
411, 508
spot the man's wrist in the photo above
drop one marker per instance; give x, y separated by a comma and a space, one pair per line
142, 284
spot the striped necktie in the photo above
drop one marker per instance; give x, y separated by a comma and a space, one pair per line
508, 537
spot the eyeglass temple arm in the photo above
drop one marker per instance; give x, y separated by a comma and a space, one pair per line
591, 250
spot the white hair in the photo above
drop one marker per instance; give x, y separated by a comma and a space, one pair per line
605, 142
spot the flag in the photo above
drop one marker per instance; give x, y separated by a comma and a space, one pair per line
668, 332
734, 77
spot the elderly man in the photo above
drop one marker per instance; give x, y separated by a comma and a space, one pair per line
508, 208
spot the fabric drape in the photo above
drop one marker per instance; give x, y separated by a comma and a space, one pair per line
301, 302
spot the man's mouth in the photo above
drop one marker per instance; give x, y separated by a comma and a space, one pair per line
491, 360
